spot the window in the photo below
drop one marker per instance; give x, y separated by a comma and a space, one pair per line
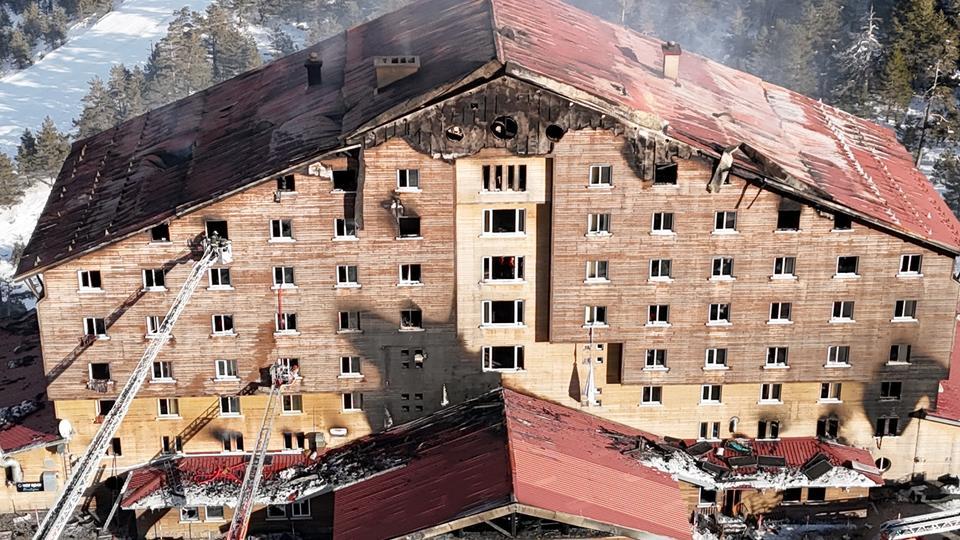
598, 224
662, 223
710, 393
409, 226
226, 369
665, 173
830, 392
153, 325
411, 319
162, 371
153, 279
232, 441
595, 316
294, 441
656, 359
788, 217
99, 371
276, 511
780, 312
347, 275
651, 395
283, 277
189, 513
215, 513
905, 310
220, 278
768, 429
417, 355
502, 268
286, 183
770, 393
658, 315
410, 274
89, 280
229, 406
716, 358
707, 497
776, 357
784, 267
350, 366
408, 179
816, 494
281, 230
94, 326
223, 325
719, 314
597, 271
513, 221
887, 426
217, 228
899, 354
104, 406
168, 408
345, 181
345, 228
286, 323
847, 266
828, 428
292, 365
660, 269
352, 401
601, 175
349, 321
710, 431
503, 358
838, 355
160, 233
292, 403
842, 222
910, 265
300, 509
842, 311
891, 390
722, 268
504, 178
725, 222
502, 312
171, 445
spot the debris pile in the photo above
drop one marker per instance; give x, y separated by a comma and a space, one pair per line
12, 414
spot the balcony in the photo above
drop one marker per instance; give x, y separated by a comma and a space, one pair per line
100, 385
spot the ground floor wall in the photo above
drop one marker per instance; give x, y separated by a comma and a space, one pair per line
16, 496
938, 448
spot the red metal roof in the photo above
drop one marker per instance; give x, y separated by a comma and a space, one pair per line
948, 398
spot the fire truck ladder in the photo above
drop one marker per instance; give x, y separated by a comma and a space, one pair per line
281, 377
917, 526
60, 513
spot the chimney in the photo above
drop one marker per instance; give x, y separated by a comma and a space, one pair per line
314, 67
671, 61
391, 69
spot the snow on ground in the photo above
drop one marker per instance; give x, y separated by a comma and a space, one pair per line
16, 225
55, 85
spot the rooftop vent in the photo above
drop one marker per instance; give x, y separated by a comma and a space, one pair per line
391, 69
314, 67
671, 60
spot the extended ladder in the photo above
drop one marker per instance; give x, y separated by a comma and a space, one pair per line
280, 377
60, 513
916, 526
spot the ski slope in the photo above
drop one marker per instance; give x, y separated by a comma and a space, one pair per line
54, 85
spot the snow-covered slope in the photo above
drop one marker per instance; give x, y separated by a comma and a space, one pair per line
55, 85
16, 225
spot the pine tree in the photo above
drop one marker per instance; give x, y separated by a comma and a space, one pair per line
927, 40
946, 171
895, 87
858, 64
231, 51
99, 111
136, 84
52, 148
20, 49
178, 65
11, 189
33, 22
737, 42
281, 43
27, 153
56, 28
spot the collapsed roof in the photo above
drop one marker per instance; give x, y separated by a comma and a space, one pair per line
180, 157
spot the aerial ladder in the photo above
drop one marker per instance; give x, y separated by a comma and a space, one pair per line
280, 376
917, 526
60, 513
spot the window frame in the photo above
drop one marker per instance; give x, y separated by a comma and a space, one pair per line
486, 359
195, 509
351, 316
887, 390
277, 229
519, 269
708, 434
848, 275
666, 225
227, 365
768, 430
713, 354
889, 421
595, 317
486, 315
164, 366
721, 269
780, 361
291, 404
600, 224
831, 392
708, 396
224, 317
520, 221
98, 325
153, 273
655, 360
354, 366
597, 180
718, 314
835, 353
230, 401
354, 406
900, 307
404, 184
777, 313
89, 275
153, 324
783, 262
907, 260
659, 264
594, 267
341, 231
843, 311
658, 315
172, 406
651, 395
900, 347
771, 394
284, 277
220, 273
722, 222
344, 279
412, 314
408, 281
288, 318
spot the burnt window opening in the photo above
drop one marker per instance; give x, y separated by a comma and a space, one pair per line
828, 428
792, 495
171, 445
847, 265
504, 221
286, 183
217, 227
503, 358
233, 442
104, 406
160, 233
345, 180
504, 178
349, 321
411, 319
508, 312
116, 449
294, 441
100, 371
816, 494
504, 127
409, 227
665, 173
788, 220
454, 134
768, 429
842, 222
554, 133
708, 497
502, 268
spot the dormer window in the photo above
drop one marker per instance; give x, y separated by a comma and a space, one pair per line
286, 183
160, 233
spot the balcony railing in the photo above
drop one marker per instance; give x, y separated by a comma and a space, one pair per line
100, 385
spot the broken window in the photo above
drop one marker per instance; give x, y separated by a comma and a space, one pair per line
788, 215
89, 280
286, 183
658, 315
345, 228
899, 353
847, 266
716, 358
660, 269
160, 233
294, 441
891, 390
511, 221
345, 181
910, 265
349, 321
505, 312
504, 178
283, 277
116, 448
170, 445
665, 173
168, 407
595, 316
776, 357
100, 371
662, 223
291, 365
707, 497
416, 354
651, 395
784, 267
292, 403
838, 355
780, 312
710, 431
153, 325
347, 275
905, 310
229, 406
887, 426
842, 222
719, 314
226, 369
189, 513
503, 358
276, 511
408, 179
502, 268
223, 325
711, 393
94, 326
232, 442
300, 509
816, 494
830, 391
722, 268
598, 224
409, 227
281, 230
217, 228
770, 392
214, 513
655, 359
597, 271
352, 401
220, 278
828, 428
842, 311
350, 365
286, 323
725, 222
410, 274
104, 406
153, 279
162, 371
601, 175
411, 319
768, 429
